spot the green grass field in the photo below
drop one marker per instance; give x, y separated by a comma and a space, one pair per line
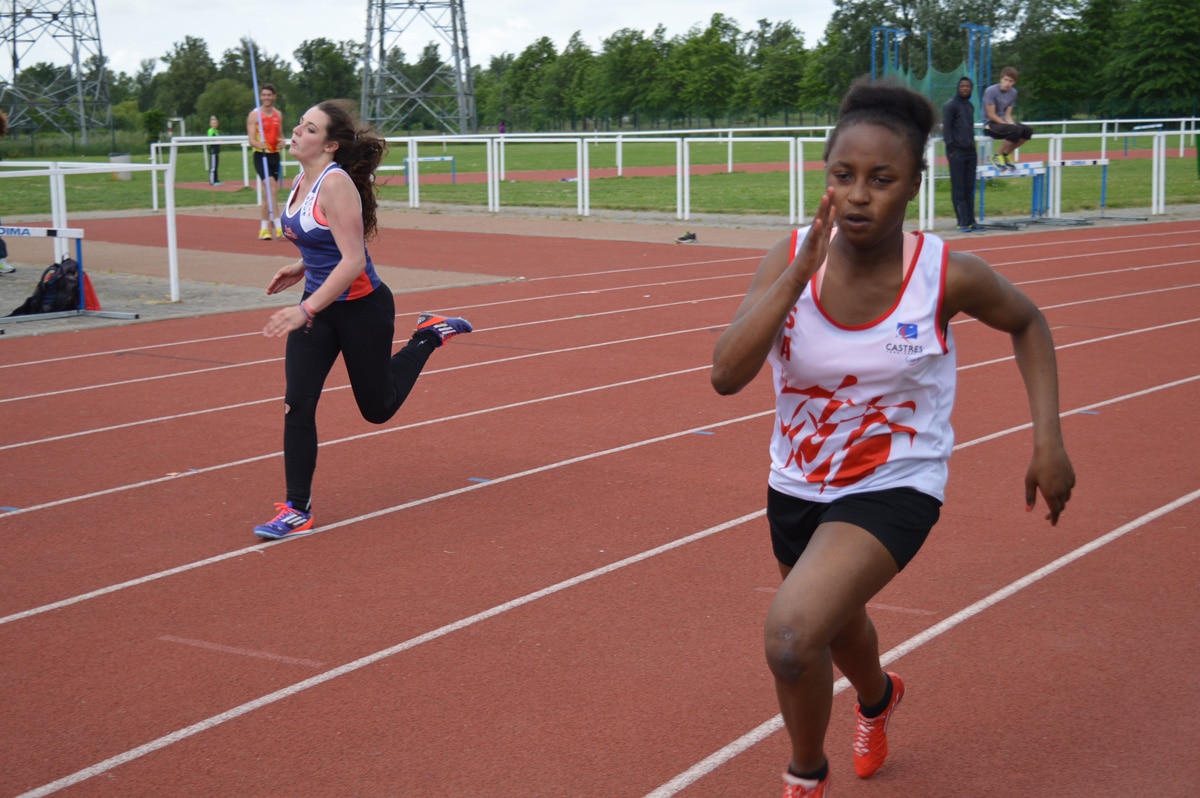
758, 193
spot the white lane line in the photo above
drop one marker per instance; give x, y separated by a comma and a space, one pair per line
251, 403
266, 361
478, 364
697, 771
361, 436
474, 486
104, 591
693, 774
403, 314
371, 659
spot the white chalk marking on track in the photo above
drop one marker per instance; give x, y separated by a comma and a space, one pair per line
1158, 236
241, 652
376, 514
130, 349
500, 480
1110, 272
766, 729
680, 265
229, 555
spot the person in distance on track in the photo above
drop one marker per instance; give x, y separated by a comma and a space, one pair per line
345, 307
214, 152
853, 314
264, 129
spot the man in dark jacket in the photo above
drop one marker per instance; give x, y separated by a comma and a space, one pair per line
958, 134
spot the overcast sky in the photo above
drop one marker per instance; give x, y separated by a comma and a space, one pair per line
132, 30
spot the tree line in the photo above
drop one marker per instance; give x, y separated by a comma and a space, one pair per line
1077, 58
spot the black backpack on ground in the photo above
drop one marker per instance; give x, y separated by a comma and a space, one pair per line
57, 290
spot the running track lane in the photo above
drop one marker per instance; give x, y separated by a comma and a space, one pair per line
704, 701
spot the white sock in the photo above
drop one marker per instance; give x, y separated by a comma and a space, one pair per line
807, 784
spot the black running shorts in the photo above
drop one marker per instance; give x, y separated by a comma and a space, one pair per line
267, 163
900, 519
1013, 133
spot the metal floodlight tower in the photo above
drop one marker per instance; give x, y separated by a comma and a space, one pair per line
66, 97
394, 92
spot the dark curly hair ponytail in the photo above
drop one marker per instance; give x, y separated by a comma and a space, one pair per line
359, 152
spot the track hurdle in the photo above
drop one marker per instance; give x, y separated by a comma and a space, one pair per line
60, 233
1138, 128
1034, 169
1058, 163
428, 159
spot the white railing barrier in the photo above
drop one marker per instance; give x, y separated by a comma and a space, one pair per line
495, 149
57, 172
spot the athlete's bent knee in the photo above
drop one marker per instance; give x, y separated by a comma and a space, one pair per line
377, 415
791, 653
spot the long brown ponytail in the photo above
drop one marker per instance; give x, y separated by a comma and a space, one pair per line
359, 152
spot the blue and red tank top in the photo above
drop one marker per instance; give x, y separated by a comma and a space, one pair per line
308, 229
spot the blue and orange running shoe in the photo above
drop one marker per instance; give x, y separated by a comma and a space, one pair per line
444, 327
289, 521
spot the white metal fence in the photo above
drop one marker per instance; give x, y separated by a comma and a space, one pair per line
164, 162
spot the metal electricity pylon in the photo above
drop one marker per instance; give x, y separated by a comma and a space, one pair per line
431, 91
44, 90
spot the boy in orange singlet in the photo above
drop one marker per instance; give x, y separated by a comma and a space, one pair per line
267, 142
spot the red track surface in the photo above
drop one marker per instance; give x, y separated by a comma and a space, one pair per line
587, 621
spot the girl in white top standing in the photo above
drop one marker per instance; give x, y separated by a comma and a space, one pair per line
853, 315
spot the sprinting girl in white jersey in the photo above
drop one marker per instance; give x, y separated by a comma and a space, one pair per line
853, 314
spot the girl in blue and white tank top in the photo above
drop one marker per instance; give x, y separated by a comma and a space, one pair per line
345, 308
306, 226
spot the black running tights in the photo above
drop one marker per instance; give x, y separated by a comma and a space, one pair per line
361, 330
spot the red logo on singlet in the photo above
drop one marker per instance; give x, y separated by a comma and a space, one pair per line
821, 420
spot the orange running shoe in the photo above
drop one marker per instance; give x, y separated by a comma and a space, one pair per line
796, 787
870, 734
